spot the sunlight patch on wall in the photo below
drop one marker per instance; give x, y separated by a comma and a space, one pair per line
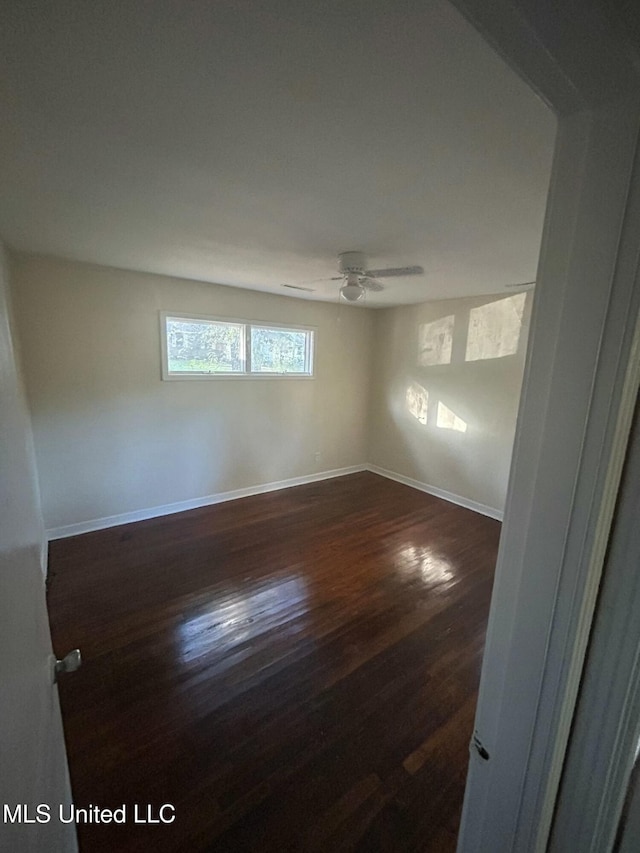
417, 399
494, 328
435, 341
446, 419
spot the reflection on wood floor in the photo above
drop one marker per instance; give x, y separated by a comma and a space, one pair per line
292, 671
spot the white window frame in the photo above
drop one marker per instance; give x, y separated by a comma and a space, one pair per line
247, 325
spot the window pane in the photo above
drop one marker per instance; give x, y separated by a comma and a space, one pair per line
280, 351
202, 346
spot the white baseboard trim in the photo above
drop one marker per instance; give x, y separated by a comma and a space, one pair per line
208, 500
181, 506
483, 509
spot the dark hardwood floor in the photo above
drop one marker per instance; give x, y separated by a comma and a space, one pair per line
295, 671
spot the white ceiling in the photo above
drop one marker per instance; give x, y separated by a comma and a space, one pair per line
247, 143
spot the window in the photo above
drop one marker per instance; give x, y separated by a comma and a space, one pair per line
202, 346
280, 350
206, 347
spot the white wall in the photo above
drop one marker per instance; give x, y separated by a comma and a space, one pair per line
33, 763
111, 437
421, 356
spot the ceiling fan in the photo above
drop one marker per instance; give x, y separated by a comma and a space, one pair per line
357, 279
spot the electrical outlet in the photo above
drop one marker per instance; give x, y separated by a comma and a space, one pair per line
317, 455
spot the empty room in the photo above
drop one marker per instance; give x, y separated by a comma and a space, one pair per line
270, 283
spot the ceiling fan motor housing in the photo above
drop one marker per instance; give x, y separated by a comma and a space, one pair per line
353, 262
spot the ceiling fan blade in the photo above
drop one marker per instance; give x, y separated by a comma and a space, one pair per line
312, 281
394, 271
372, 285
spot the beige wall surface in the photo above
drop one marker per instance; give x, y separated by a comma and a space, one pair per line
111, 437
31, 742
445, 391
429, 392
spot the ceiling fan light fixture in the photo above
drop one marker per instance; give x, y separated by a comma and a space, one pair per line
352, 291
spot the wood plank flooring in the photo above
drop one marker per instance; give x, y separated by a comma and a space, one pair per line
295, 671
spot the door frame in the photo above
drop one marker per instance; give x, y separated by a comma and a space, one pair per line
575, 413
606, 727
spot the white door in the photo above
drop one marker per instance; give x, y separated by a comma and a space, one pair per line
33, 767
